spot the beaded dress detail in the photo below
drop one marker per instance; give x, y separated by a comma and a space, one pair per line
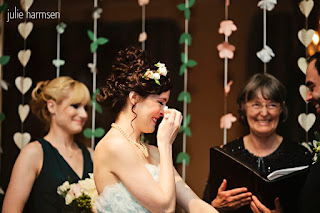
116, 198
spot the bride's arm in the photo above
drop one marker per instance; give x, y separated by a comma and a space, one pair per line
188, 200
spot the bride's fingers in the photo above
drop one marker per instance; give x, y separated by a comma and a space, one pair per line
171, 116
178, 119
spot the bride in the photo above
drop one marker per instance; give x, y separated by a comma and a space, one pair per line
131, 176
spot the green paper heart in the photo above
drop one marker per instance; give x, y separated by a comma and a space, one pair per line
98, 133
182, 69
191, 3
184, 95
191, 63
97, 106
4, 59
61, 27
188, 119
3, 7
187, 14
181, 7
93, 47
183, 58
58, 62
186, 130
91, 35
2, 116
102, 40
185, 37
183, 156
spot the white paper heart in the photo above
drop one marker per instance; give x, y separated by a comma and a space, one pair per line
303, 89
307, 145
24, 56
26, 4
1, 191
3, 84
306, 7
25, 29
142, 37
23, 84
306, 121
23, 112
21, 139
302, 64
305, 36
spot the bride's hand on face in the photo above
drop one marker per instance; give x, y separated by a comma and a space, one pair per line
169, 126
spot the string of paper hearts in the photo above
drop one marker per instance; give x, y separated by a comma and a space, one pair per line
60, 28
96, 42
266, 53
23, 83
185, 97
226, 52
306, 120
143, 35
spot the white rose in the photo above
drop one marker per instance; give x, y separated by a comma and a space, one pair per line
63, 188
69, 198
163, 71
156, 76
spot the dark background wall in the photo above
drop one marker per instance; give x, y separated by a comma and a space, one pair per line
120, 22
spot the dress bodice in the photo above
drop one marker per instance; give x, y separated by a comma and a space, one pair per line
116, 198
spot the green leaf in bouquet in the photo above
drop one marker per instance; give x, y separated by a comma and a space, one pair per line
317, 135
183, 156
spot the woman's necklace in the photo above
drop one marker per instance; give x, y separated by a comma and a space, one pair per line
143, 148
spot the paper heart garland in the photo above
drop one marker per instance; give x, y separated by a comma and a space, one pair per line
143, 36
23, 111
24, 56
3, 84
306, 121
268, 4
25, 29
303, 89
23, 84
226, 27
226, 50
58, 62
302, 64
305, 36
143, 2
265, 54
21, 139
61, 27
26, 4
98, 133
97, 12
228, 87
227, 120
306, 7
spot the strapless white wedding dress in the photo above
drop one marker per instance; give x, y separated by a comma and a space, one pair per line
117, 199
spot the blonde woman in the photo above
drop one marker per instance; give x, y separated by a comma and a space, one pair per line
48, 162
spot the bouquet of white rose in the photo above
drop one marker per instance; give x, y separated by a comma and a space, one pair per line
79, 197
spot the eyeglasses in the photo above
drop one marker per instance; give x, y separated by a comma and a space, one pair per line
258, 106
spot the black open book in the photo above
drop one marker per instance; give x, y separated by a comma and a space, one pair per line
287, 187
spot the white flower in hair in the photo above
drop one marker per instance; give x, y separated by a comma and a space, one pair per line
156, 75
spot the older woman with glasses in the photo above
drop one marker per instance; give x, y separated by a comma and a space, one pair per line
261, 106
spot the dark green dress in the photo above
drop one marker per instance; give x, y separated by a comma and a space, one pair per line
55, 171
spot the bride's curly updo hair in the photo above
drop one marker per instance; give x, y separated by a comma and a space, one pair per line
127, 71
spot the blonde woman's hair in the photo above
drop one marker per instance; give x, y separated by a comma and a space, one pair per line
56, 89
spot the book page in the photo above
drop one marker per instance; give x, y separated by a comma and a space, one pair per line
282, 172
